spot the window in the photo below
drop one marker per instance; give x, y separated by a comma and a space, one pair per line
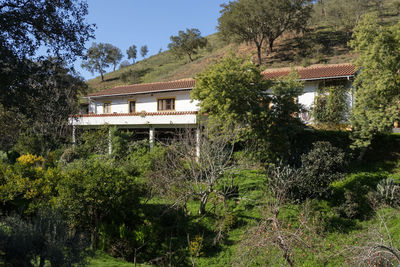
131, 106
106, 107
166, 104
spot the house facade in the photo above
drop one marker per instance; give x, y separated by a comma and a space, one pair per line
157, 107
316, 77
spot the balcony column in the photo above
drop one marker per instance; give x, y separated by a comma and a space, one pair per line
109, 141
73, 135
151, 137
198, 143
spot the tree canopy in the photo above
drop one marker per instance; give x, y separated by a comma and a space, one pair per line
143, 51
187, 43
377, 84
29, 82
132, 53
58, 25
100, 56
234, 92
262, 21
114, 55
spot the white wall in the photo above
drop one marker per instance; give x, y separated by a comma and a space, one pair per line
309, 93
146, 102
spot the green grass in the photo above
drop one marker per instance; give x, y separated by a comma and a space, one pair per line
101, 259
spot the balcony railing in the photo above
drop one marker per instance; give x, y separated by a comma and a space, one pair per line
137, 118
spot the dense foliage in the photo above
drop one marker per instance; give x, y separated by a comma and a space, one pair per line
331, 106
377, 85
244, 97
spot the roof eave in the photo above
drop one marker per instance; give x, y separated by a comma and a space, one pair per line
326, 78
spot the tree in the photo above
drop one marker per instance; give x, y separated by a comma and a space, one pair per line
278, 235
143, 51
60, 26
377, 85
132, 53
230, 101
114, 55
94, 190
43, 110
98, 58
187, 43
244, 96
183, 174
57, 26
259, 21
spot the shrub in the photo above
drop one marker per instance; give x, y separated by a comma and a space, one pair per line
94, 191
322, 165
389, 192
350, 208
47, 237
131, 76
319, 168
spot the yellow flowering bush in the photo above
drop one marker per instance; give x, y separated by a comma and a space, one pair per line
29, 159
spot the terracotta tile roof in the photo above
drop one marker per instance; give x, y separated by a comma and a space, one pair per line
162, 113
313, 72
146, 87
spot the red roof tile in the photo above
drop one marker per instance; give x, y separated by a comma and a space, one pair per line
146, 87
313, 71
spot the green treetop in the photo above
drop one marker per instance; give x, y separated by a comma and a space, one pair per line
187, 43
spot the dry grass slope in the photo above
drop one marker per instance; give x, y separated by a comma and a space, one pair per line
289, 50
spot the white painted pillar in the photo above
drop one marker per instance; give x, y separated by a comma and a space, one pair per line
151, 137
198, 143
109, 141
73, 136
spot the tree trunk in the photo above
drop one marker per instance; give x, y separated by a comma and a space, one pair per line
42, 260
271, 45
190, 57
203, 202
102, 76
259, 54
360, 157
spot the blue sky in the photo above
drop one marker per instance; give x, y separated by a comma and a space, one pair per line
148, 22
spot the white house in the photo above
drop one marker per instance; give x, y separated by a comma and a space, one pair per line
155, 107
314, 77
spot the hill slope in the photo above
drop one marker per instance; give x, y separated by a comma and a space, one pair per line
165, 66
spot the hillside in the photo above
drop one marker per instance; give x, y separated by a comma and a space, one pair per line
288, 50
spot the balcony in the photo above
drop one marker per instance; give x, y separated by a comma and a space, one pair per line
139, 119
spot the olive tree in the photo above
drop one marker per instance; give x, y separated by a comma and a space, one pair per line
187, 43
